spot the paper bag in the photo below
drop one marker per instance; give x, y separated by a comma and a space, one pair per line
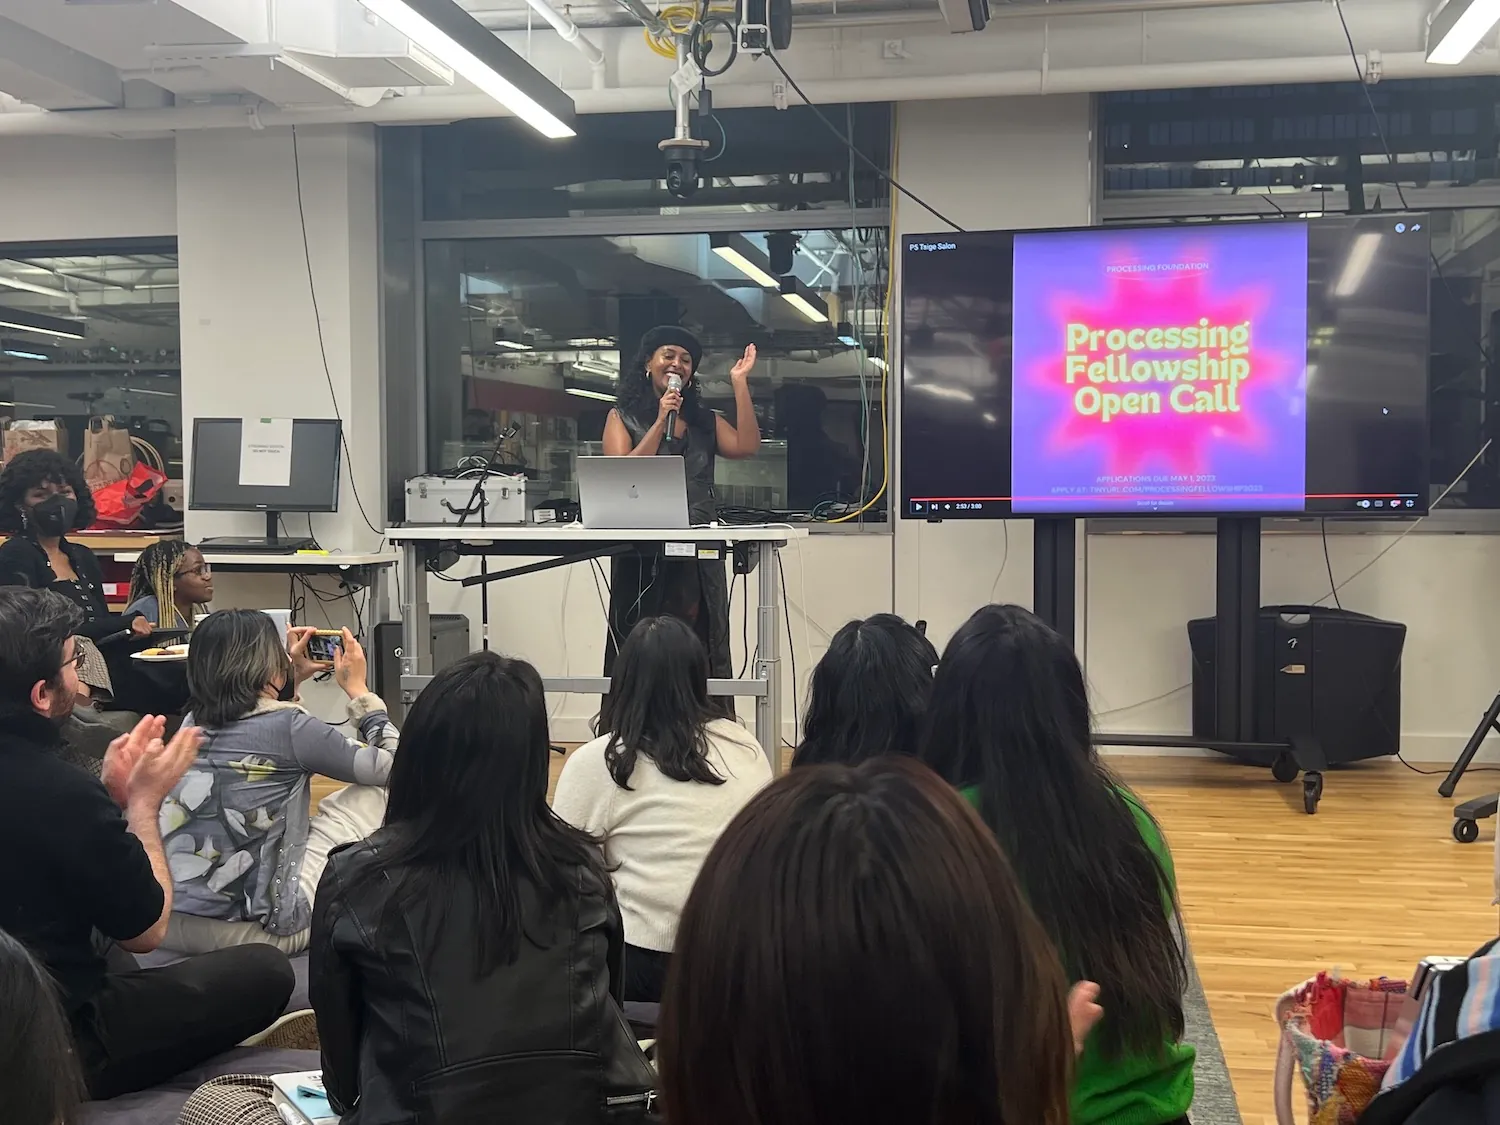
24, 435
107, 453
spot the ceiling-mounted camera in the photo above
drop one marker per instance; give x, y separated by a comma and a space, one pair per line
683, 155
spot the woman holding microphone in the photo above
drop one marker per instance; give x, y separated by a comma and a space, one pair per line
659, 385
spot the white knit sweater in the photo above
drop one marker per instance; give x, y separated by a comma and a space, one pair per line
658, 832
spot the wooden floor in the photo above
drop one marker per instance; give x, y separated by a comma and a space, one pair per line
1371, 884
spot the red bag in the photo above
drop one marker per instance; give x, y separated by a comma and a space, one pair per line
120, 503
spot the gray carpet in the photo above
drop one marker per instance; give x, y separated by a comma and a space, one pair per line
1213, 1099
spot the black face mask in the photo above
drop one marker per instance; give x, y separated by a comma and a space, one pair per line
288, 692
54, 516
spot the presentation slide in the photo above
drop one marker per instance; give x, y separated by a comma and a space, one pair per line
1160, 370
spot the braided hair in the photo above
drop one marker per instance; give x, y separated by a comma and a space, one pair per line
637, 398
155, 575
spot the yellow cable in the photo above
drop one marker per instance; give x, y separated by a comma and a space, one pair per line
886, 334
679, 20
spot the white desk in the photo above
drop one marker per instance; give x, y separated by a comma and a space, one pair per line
567, 544
300, 563
368, 568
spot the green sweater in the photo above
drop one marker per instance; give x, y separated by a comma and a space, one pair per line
1131, 1089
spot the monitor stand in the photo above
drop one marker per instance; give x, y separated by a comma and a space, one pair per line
272, 543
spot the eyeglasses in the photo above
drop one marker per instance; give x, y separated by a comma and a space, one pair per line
75, 661
202, 570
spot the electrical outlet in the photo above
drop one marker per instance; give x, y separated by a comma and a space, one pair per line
893, 49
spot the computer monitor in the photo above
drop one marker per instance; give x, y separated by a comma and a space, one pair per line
214, 482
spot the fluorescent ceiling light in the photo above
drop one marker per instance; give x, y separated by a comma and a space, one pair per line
33, 405
741, 253
593, 367
28, 355
144, 391
938, 390
514, 345
1361, 254
584, 392
591, 342
32, 287
26, 321
876, 361
1457, 29
804, 300
445, 30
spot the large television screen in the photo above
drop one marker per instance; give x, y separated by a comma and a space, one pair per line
1258, 367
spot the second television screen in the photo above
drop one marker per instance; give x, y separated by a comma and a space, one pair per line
1234, 368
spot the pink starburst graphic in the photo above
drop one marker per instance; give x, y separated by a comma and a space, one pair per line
1168, 441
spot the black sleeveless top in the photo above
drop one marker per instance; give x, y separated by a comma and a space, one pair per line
697, 449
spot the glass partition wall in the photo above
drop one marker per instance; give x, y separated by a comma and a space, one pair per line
542, 270
93, 330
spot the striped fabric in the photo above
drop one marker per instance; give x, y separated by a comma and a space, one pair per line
1459, 1004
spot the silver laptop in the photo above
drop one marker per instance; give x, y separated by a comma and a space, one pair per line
631, 492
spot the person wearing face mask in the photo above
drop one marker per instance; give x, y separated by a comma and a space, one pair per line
87, 856
646, 583
43, 497
245, 851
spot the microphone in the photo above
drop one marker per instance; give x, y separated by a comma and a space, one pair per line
674, 385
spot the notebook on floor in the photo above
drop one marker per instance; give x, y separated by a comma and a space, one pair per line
301, 1100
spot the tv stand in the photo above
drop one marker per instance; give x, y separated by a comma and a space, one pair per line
272, 543
1237, 601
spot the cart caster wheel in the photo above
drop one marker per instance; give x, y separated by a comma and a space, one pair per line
1312, 792
1465, 831
1284, 768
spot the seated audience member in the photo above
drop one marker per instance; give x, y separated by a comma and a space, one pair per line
658, 786
1009, 724
869, 693
43, 497
170, 584
856, 949
87, 855
466, 957
245, 852
39, 1080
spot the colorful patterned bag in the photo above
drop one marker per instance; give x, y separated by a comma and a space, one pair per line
1338, 1034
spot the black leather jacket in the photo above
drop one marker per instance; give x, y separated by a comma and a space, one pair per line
412, 1035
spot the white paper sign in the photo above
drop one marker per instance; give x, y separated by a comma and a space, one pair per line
265, 452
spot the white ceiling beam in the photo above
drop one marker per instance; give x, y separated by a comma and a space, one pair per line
44, 72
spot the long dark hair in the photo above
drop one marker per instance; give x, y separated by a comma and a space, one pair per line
1010, 714
637, 398
468, 799
658, 704
869, 693
41, 1082
235, 653
840, 905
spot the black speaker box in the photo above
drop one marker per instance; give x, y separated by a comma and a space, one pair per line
450, 643
1331, 674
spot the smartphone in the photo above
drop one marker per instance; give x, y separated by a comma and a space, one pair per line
322, 644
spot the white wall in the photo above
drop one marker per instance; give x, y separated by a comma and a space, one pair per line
253, 340
63, 188
250, 336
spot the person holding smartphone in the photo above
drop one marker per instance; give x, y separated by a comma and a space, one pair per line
245, 849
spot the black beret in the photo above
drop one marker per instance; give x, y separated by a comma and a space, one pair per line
664, 334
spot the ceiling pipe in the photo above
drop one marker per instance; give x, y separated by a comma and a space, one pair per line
856, 13
433, 109
570, 34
